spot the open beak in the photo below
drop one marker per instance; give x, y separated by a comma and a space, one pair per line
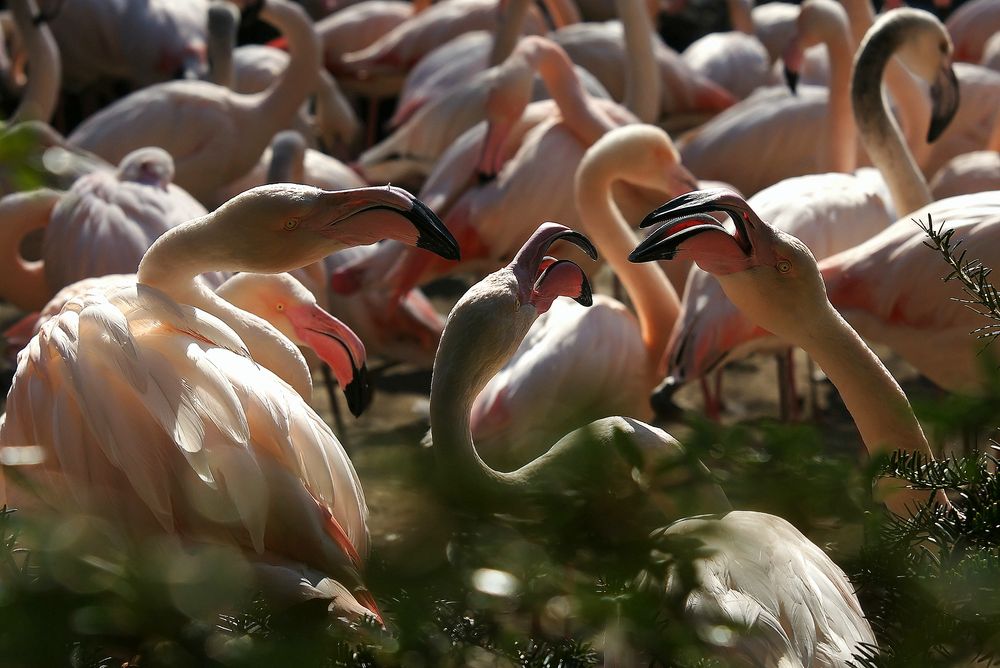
688, 226
337, 345
348, 216
541, 279
944, 101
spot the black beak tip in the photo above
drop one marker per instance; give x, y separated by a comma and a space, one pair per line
586, 296
649, 253
792, 79
359, 392
432, 233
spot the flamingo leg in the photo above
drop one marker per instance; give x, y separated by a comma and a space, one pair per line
788, 395
338, 418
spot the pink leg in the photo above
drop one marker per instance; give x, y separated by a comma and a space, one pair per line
789, 399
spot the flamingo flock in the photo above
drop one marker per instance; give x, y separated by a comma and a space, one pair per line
181, 217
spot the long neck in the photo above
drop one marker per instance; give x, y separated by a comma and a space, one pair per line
878, 406
655, 301
22, 283
642, 78
172, 265
221, 42
563, 12
580, 116
879, 130
335, 116
42, 93
842, 144
509, 25
460, 374
276, 105
740, 17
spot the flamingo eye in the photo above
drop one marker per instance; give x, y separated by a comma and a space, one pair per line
281, 307
291, 223
784, 266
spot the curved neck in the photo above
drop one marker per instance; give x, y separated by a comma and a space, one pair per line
879, 131
282, 99
510, 22
335, 117
842, 137
642, 78
740, 18
556, 70
655, 301
222, 28
878, 406
172, 265
563, 12
22, 283
42, 92
460, 374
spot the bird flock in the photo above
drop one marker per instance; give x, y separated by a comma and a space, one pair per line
196, 191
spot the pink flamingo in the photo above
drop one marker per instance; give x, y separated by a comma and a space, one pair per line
970, 26
970, 172
215, 135
38, 100
102, 225
279, 299
578, 364
164, 364
143, 43
382, 66
483, 215
618, 463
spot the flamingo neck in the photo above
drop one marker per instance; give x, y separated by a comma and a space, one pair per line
581, 117
172, 265
509, 25
275, 106
22, 282
874, 399
221, 42
842, 137
642, 77
563, 12
879, 130
460, 374
740, 18
42, 93
656, 304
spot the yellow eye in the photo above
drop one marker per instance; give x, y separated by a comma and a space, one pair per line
784, 266
291, 224
281, 307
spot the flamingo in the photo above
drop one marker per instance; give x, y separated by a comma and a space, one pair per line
970, 26
279, 299
755, 552
828, 212
970, 172
735, 60
578, 364
144, 43
164, 365
382, 66
102, 225
483, 215
214, 135
38, 101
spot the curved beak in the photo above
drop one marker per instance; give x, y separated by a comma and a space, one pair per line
792, 59
687, 221
541, 279
337, 345
944, 101
386, 213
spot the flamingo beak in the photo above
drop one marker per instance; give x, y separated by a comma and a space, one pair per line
342, 211
688, 227
792, 58
944, 101
337, 345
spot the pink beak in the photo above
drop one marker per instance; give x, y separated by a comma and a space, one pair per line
338, 346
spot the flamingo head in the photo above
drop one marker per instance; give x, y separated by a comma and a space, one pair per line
493, 317
151, 166
284, 226
292, 309
819, 21
753, 261
509, 94
926, 51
